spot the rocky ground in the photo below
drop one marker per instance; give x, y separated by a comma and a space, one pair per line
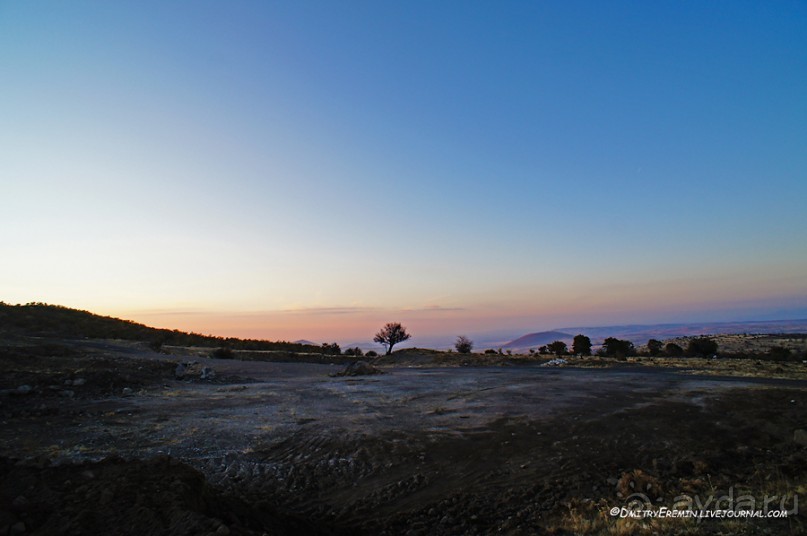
103, 437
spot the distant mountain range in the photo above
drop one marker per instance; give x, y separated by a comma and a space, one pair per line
533, 340
637, 333
640, 334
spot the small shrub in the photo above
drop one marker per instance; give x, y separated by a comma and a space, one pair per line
222, 353
702, 346
371, 353
780, 353
464, 345
490, 351
654, 347
673, 350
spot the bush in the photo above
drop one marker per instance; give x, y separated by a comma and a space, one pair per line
331, 349
780, 353
371, 353
354, 351
222, 353
557, 348
654, 347
464, 345
673, 350
619, 348
702, 346
490, 351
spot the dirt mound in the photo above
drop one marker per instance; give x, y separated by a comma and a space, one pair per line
114, 496
360, 368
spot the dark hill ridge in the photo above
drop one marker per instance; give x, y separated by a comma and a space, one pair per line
538, 339
40, 319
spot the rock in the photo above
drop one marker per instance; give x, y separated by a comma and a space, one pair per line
223, 530
557, 362
79, 382
20, 502
127, 391
207, 373
17, 528
24, 389
68, 382
800, 437
67, 393
179, 372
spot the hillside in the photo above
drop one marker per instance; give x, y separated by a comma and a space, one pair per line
43, 320
538, 339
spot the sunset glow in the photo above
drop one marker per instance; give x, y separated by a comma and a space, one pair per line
312, 170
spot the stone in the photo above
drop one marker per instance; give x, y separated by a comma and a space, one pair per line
800, 437
79, 382
24, 389
127, 391
67, 393
207, 373
179, 372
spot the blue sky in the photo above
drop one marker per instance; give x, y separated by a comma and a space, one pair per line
314, 169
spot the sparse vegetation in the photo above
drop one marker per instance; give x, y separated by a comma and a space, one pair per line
41, 319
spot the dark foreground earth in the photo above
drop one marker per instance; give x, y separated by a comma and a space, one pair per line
102, 438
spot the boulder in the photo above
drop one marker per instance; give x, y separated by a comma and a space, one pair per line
207, 373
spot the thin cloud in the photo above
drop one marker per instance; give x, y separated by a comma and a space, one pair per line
329, 310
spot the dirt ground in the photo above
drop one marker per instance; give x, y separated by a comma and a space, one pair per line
101, 437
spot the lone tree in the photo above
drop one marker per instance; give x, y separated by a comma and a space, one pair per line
390, 335
581, 345
557, 348
464, 345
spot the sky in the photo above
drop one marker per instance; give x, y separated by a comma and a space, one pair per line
291, 170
